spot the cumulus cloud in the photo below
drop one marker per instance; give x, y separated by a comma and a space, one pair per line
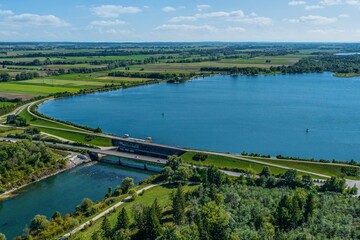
183, 19
28, 19
105, 23
168, 9
326, 31
331, 2
313, 19
8, 33
202, 7
235, 29
236, 16
6, 12
113, 11
296, 3
312, 7
353, 2
184, 27
344, 16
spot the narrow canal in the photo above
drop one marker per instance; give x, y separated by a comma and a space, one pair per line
62, 193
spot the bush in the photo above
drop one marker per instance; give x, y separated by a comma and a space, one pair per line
200, 157
350, 171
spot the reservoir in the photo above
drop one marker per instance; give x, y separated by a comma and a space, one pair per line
260, 114
62, 193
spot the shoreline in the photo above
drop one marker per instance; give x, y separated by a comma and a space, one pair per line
9, 193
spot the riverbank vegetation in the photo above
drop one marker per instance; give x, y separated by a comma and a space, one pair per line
24, 162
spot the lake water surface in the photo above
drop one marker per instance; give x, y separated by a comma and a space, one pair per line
261, 114
61, 193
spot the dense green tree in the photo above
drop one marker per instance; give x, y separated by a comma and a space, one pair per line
290, 179
151, 227
157, 207
214, 176
2, 236
122, 234
310, 206
126, 184
174, 162
265, 172
39, 222
178, 205
167, 173
98, 235
106, 227
123, 221
334, 184
216, 220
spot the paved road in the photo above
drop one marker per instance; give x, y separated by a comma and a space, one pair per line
102, 214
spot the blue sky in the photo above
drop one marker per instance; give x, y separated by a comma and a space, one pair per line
175, 20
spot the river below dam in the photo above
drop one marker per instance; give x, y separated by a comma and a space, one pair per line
302, 115
62, 193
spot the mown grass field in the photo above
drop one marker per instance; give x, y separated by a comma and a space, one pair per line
37, 121
321, 168
161, 193
46, 126
229, 163
77, 137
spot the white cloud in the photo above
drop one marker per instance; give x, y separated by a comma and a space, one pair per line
168, 9
235, 29
6, 12
202, 7
256, 20
28, 19
104, 23
184, 27
117, 32
344, 16
326, 31
331, 2
353, 2
236, 16
296, 3
183, 19
313, 19
113, 11
312, 7
8, 33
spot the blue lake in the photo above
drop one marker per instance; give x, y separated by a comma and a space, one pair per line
260, 114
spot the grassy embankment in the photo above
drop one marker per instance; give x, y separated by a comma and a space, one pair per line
64, 131
237, 164
161, 193
316, 167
